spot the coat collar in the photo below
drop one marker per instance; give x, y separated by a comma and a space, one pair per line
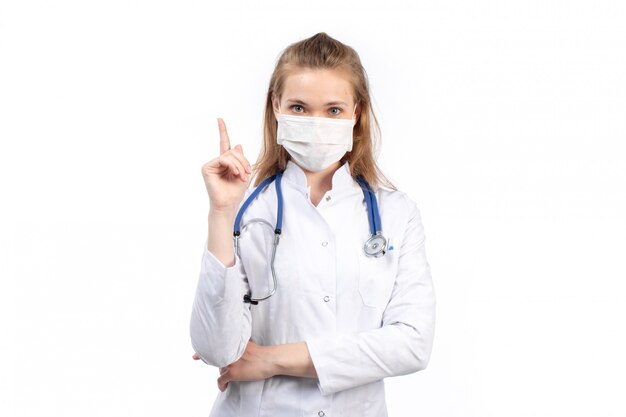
342, 180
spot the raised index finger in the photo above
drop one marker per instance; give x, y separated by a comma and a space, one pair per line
224, 140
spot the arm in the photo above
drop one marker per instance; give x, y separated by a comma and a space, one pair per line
220, 324
220, 236
291, 359
403, 344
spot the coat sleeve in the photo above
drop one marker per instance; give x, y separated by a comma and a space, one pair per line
220, 321
402, 345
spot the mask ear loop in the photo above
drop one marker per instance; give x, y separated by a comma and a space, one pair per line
353, 124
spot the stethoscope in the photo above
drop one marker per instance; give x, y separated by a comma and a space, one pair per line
375, 246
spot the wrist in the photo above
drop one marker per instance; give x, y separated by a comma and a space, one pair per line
274, 360
224, 212
292, 359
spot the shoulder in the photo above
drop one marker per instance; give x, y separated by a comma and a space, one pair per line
399, 201
402, 212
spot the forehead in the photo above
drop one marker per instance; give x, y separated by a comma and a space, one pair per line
318, 86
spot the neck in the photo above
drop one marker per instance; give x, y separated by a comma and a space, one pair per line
321, 181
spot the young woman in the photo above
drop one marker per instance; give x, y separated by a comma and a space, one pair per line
327, 289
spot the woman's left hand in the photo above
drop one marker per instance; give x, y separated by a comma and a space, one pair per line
254, 365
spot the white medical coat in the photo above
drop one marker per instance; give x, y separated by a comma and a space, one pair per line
363, 319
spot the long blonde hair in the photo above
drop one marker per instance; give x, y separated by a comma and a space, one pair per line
320, 51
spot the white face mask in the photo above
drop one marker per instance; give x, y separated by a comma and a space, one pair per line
315, 142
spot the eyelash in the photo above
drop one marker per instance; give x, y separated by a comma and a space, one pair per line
298, 105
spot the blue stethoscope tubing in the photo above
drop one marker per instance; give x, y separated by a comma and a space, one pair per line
375, 246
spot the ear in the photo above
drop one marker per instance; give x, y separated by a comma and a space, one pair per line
357, 113
275, 106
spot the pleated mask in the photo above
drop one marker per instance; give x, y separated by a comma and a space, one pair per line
315, 142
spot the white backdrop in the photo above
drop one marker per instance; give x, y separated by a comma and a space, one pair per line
505, 122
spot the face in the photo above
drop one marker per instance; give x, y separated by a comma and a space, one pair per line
317, 93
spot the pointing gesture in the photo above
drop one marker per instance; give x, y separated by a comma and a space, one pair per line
226, 176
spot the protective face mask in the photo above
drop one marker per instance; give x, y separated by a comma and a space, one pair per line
315, 142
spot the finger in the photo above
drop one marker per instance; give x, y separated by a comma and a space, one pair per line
213, 164
222, 387
243, 162
235, 165
238, 152
231, 163
195, 356
222, 381
224, 140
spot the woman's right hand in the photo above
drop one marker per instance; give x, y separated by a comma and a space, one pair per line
226, 177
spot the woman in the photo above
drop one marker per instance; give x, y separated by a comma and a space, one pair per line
338, 320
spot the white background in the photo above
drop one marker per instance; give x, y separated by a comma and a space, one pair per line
505, 121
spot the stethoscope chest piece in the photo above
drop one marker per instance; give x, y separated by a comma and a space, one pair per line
375, 246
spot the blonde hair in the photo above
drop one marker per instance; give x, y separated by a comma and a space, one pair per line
320, 51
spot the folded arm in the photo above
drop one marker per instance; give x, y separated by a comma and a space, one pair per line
404, 342
220, 324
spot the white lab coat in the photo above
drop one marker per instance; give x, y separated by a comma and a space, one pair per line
363, 319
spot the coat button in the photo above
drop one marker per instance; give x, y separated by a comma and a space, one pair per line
321, 413
327, 298
327, 198
324, 243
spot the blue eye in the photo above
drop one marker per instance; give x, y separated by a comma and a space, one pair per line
335, 108
294, 106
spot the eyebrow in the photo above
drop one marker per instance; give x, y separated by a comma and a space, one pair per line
295, 100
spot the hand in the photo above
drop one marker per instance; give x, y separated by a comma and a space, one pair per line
262, 362
254, 365
226, 177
